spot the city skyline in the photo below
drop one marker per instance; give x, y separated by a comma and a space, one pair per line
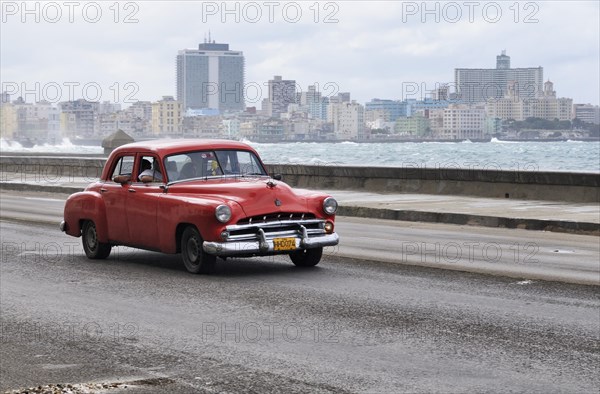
380, 51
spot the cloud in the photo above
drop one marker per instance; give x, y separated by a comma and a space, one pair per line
370, 49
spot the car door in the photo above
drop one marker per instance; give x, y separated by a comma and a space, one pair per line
114, 195
142, 207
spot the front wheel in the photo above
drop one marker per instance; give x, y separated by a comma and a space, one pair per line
93, 248
195, 259
307, 257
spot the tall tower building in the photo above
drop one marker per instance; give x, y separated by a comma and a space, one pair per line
502, 61
211, 76
282, 92
549, 89
315, 102
478, 85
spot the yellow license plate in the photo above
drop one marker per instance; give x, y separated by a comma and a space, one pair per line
284, 243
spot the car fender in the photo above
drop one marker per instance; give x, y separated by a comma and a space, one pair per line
314, 201
86, 205
200, 212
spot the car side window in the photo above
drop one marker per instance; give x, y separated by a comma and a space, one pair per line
123, 169
180, 167
149, 170
248, 163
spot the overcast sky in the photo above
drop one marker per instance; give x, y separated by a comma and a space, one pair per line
388, 49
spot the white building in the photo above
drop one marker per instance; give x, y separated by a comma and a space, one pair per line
39, 121
204, 126
548, 106
348, 120
106, 107
459, 122
477, 85
141, 109
231, 128
79, 118
587, 113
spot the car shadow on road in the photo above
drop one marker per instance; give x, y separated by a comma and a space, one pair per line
261, 266
231, 267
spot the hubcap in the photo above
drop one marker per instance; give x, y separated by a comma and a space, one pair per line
91, 238
192, 250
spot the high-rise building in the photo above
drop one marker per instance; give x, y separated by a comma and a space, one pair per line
478, 85
282, 92
211, 76
503, 61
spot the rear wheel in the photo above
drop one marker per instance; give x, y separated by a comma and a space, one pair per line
195, 259
307, 257
93, 248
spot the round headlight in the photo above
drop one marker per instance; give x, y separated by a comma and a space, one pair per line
330, 205
223, 213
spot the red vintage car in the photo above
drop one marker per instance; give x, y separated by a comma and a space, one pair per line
202, 199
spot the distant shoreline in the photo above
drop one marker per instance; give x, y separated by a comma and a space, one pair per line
98, 142
486, 140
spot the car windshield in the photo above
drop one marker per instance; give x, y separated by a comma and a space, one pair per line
208, 163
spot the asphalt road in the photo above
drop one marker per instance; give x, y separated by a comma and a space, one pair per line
263, 325
507, 252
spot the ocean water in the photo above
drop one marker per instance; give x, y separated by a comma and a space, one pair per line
573, 156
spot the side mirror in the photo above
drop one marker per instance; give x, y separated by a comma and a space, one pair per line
277, 177
122, 179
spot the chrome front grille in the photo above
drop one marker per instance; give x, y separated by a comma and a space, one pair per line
277, 216
255, 230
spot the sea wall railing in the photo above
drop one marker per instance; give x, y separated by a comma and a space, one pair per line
534, 185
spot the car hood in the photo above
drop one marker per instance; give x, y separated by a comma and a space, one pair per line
256, 196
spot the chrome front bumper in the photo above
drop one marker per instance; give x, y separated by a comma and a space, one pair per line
261, 241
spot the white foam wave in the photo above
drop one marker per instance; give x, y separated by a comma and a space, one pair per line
8, 146
65, 146
497, 141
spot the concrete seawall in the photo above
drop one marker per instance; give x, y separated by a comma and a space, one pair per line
533, 185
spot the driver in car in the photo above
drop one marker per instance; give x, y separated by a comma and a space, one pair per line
150, 172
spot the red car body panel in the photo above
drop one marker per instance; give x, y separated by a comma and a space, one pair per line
151, 215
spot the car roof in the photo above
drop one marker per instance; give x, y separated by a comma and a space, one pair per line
165, 147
